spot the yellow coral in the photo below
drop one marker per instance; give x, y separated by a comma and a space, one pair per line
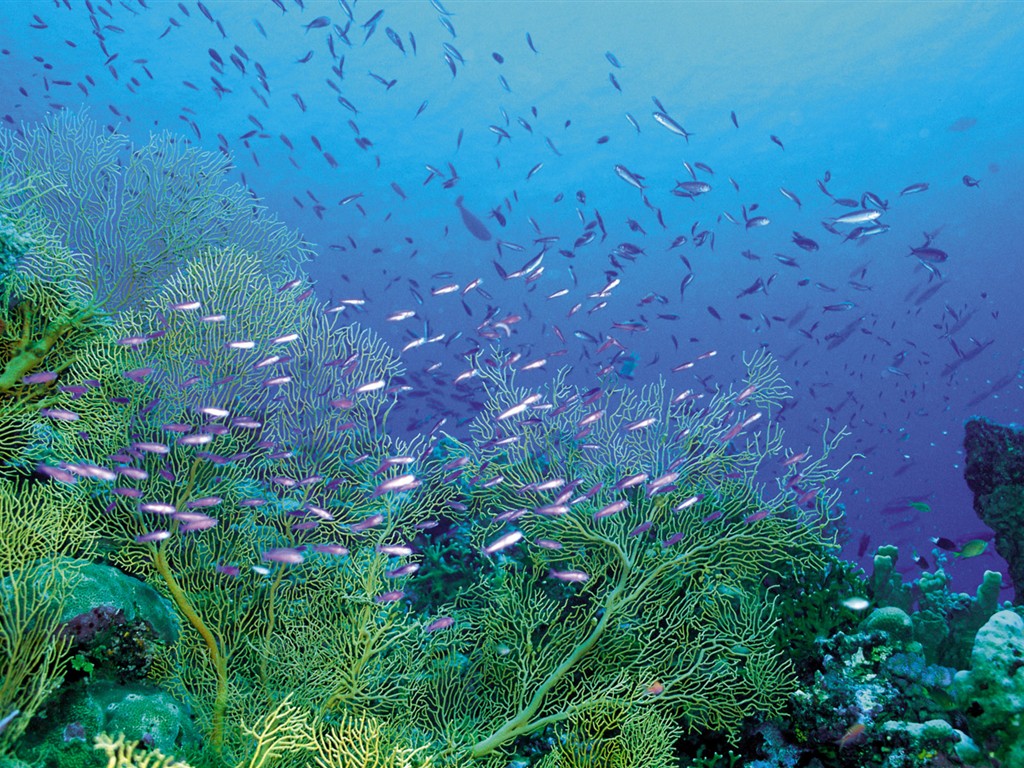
121, 754
284, 730
366, 742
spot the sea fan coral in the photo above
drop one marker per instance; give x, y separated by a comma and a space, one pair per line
133, 216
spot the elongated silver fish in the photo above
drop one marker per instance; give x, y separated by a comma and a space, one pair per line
914, 188
629, 177
672, 125
858, 217
695, 187
8, 718
790, 195
503, 542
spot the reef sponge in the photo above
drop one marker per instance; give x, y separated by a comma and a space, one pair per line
138, 710
99, 585
944, 622
991, 692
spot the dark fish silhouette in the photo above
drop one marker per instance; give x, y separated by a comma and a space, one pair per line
963, 124
473, 224
318, 23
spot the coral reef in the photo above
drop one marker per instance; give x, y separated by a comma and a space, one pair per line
881, 695
212, 545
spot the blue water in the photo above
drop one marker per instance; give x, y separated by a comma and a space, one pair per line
882, 96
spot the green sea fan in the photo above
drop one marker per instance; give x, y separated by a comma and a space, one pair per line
133, 216
323, 413
281, 361
621, 430
17, 436
43, 519
193, 362
616, 736
46, 324
658, 600
38, 521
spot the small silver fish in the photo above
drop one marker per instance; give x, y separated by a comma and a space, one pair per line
672, 125
858, 217
8, 718
502, 542
629, 177
786, 193
914, 188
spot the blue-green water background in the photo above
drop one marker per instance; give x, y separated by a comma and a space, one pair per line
883, 95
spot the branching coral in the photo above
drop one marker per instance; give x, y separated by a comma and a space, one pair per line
284, 730
367, 742
122, 754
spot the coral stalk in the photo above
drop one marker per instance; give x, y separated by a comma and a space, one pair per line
217, 657
523, 722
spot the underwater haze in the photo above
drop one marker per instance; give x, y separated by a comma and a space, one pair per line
621, 193
365, 143
880, 97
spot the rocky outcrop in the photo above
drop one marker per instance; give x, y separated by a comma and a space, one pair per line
994, 470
